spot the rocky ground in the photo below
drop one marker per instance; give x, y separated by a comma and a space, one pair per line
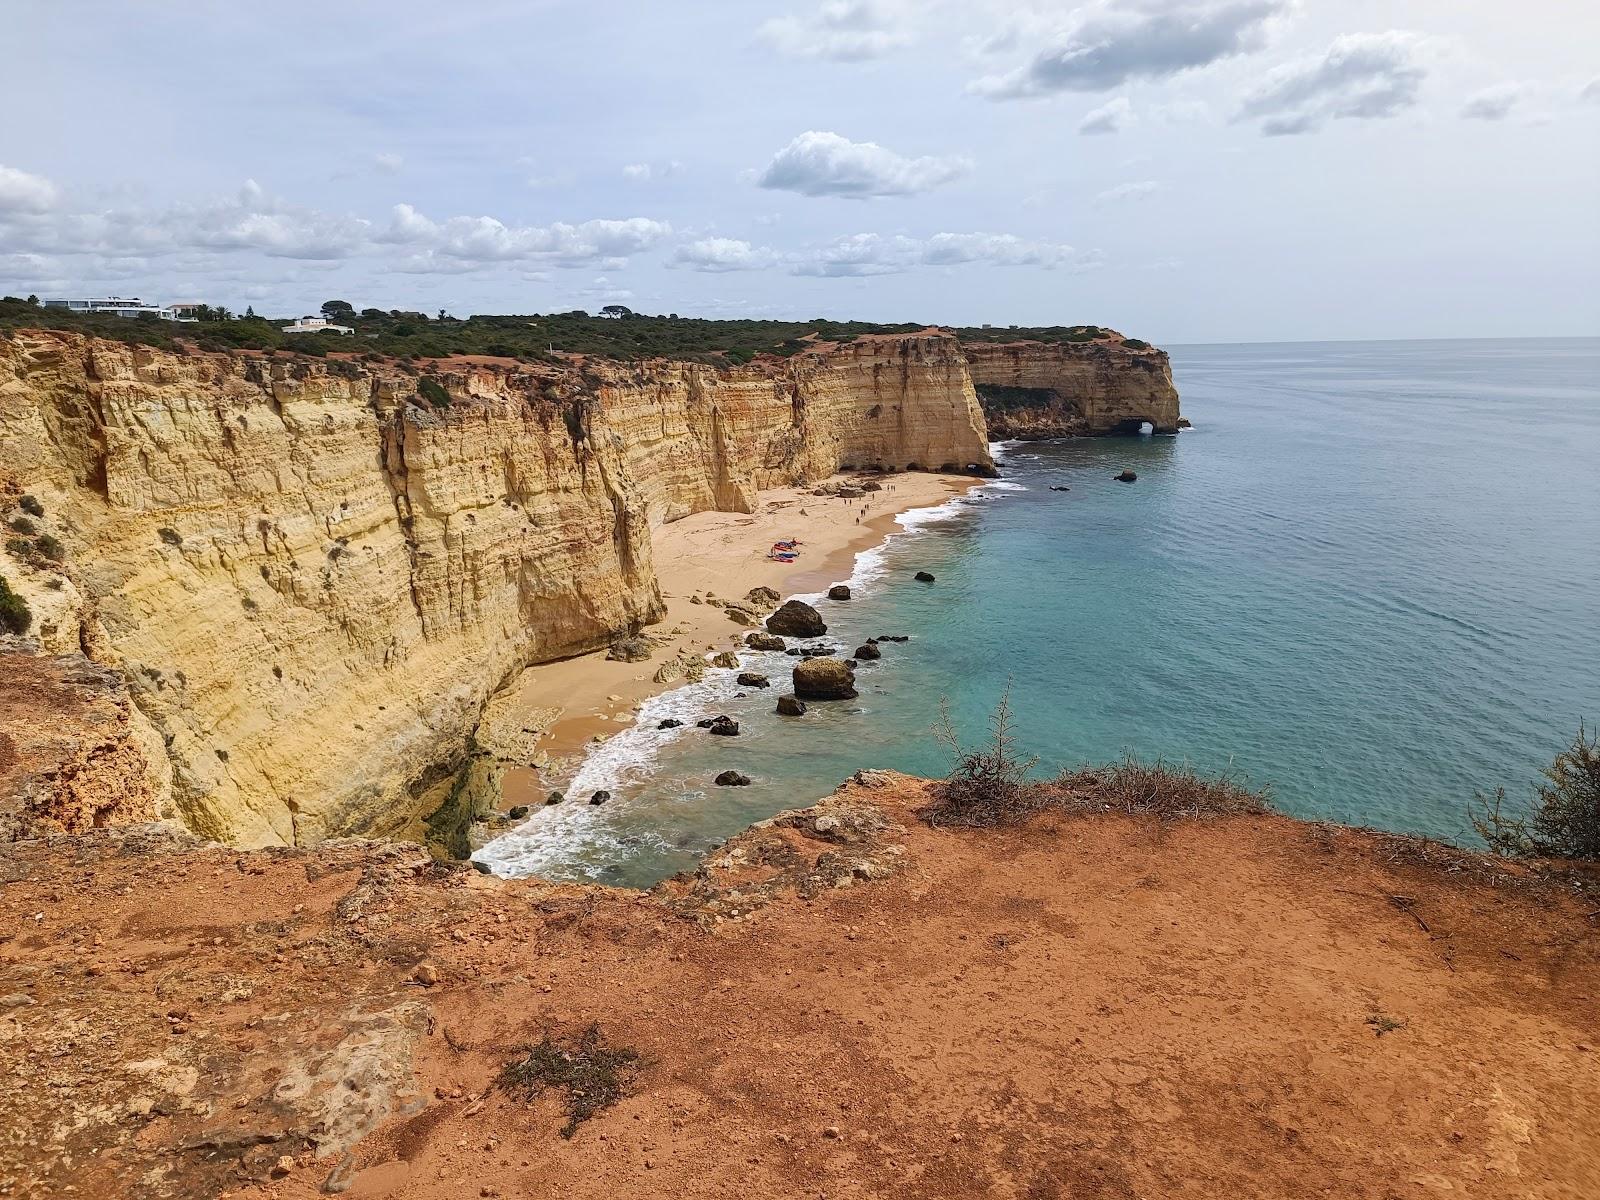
841, 1003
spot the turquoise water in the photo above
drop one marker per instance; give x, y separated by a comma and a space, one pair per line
1369, 578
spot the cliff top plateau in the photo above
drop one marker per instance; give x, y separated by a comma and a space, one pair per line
842, 1001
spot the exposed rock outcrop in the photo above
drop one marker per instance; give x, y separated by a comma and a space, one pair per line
1035, 390
824, 679
312, 579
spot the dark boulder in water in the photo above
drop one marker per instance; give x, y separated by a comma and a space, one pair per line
1057, 487
892, 637
722, 726
824, 679
1126, 477
732, 779
868, 652
670, 723
924, 576
518, 811
554, 798
753, 679
797, 619
763, 641
839, 591
600, 797
790, 706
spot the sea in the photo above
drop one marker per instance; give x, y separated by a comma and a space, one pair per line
1367, 580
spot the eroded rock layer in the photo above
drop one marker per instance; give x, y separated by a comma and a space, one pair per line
1034, 390
312, 578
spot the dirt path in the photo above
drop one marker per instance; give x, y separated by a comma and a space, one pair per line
1086, 1007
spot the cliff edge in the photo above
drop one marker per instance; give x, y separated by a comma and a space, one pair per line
1108, 385
312, 573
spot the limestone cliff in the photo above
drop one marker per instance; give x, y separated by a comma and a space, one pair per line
312, 578
1034, 390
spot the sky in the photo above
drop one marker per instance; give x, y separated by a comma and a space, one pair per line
1220, 170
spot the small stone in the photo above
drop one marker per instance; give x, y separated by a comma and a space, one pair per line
1125, 476
832, 1131
600, 797
554, 798
517, 812
426, 974
282, 1167
924, 576
670, 723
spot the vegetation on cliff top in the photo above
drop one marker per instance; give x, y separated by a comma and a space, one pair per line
624, 335
1561, 819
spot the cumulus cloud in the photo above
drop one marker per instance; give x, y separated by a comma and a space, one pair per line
1124, 192
864, 254
387, 163
21, 192
1361, 75
720, 254
842, 30
1493, 103
1111, 117
483, 240
826, 164
1117, 41
202, 238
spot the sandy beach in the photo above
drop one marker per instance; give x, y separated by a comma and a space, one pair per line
578, 701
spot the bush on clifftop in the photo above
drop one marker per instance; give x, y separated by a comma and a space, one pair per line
1562, 818
14, 614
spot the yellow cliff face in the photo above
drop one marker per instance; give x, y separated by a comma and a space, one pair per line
313, 579
1039, 390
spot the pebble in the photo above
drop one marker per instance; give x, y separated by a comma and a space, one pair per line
426, 974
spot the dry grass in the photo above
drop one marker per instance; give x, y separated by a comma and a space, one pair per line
1158, 789
593, 1075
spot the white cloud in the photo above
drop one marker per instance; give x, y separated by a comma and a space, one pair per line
1361, 75
387, 163
1128, 191
825, 164
1111, 117
1493, 103
645, 172
21, 192
866, 254
1590, 92
842, 30
719, 254
1111, 43
481, 240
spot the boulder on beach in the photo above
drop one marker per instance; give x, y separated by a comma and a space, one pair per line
791, 706
763, 641
824, 679
924, 576
722, 726
732, 779
867, 652
740, 614
629, 649
1125, 476
669, 723
726, 659
554, 798
600, 797
762, 597
839, 591
518, 811
797, 619
752, 679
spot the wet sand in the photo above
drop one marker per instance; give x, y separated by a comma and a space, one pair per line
582, 700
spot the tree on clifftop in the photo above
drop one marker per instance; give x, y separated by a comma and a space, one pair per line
334, 309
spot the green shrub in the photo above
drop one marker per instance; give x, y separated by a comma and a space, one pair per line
20, 547
170, 536
49, 547
14, 614
21, 525
31, 506
1135, 344
433, 392
1562, 819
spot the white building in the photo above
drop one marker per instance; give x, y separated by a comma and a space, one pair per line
316, 325
126, 306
